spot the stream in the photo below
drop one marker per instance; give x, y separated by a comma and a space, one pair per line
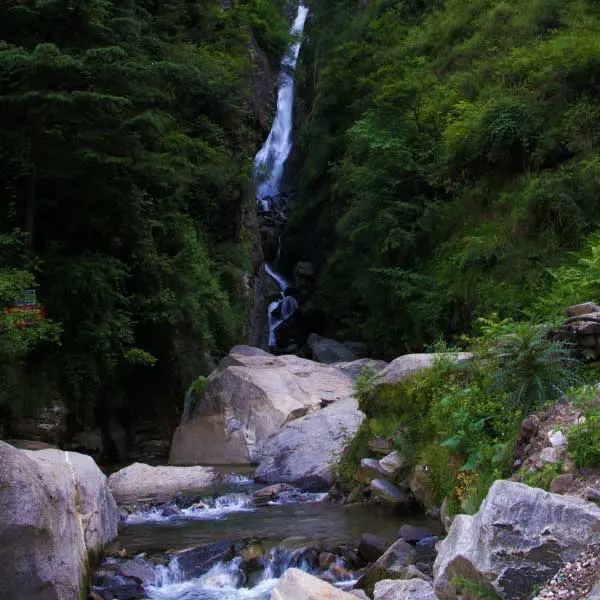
291, 532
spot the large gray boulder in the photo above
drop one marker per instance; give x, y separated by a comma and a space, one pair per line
305, 451
298, 585
411, 589
328, 351
403, 367
56, 515
250, 397
143, 483
520, 538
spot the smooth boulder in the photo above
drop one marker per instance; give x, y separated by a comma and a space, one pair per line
327, 351
250, 397
387, 493
412, 589
143, 483
519, 539
391, 565
404, 366
305, 451
298, 585
56, 515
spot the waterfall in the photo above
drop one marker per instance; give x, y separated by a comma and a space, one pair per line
269, 164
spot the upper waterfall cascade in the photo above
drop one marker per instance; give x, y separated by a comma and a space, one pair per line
269, 164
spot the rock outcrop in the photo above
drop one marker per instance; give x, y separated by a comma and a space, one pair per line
404, 366
328, 351
298, 585
305, 451
143, 483
520, 538
249, 398
56, 515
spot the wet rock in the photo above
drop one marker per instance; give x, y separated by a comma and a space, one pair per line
143, 483
388, 493
445, 516
249, 398
326, 559
171, 510
251, 552
138, 568
405, 366
413, 534
391, 565
527, 535
369, 470
305, 451
414, 589
271, 493
56, 516
328, 351
381, 446
298, 585
371, 547
392, 464
356, 495
119, 587
198, 561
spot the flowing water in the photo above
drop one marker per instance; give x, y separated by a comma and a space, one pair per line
268, 170
231, 516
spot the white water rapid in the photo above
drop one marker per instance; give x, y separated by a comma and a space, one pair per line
269, 164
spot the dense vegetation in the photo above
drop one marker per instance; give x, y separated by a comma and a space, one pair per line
448, 162
462, 420
126, 139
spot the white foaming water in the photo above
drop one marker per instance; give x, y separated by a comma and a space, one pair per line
270, 160
269, 163
207, 509
224, 581
238, 479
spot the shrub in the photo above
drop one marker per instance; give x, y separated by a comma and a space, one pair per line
541, 479
584, 438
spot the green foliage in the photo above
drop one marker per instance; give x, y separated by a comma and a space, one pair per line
126, 136
448, 164
540, 479
528, 365
474, 590
584, 438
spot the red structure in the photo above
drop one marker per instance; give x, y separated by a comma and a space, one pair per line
28, 303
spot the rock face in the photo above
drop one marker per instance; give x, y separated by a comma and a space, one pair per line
354, 368
56, 514
143, 483
298, 585
249, 398
519, 538
404, 366
329, 351
305, 451
413, 589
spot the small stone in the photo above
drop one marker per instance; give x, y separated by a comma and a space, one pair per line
326, 559
388, 493
562, 484
550, 456
369, 470
392, 464
591, 493
371, 547
413, 533
557, 439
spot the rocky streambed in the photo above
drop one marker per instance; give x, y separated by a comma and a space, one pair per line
238, 539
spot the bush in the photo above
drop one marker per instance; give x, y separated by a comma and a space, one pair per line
541, 479
584, 439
